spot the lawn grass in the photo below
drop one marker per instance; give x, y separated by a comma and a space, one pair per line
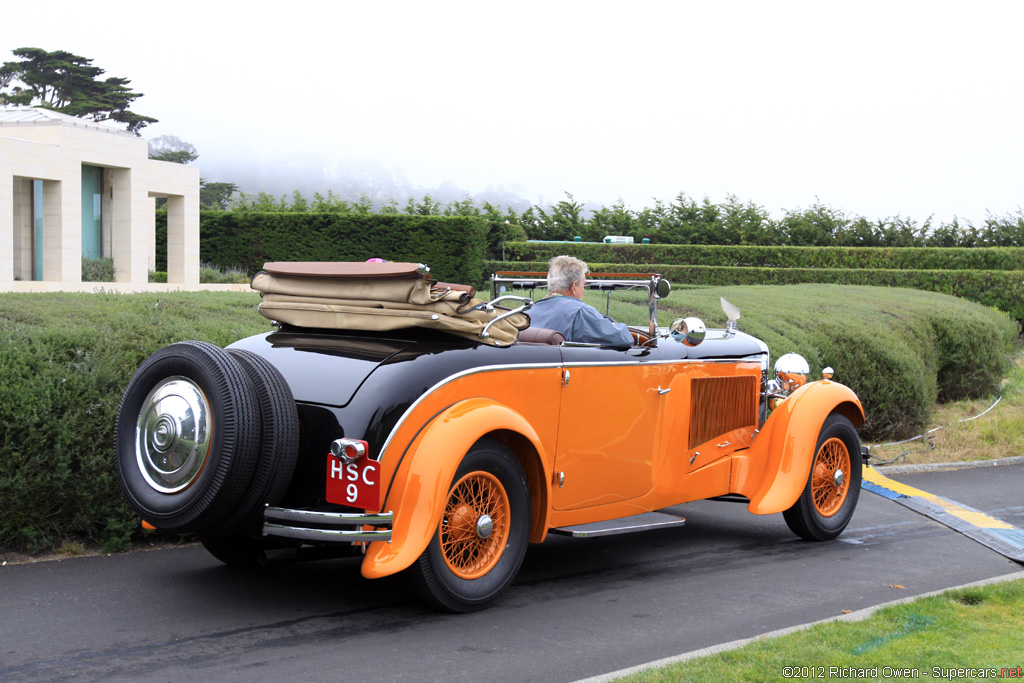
978, 627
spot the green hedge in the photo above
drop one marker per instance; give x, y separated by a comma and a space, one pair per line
453, 246
878, 258
65, 359
1002, 289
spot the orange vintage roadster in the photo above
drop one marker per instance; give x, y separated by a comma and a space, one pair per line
437, 434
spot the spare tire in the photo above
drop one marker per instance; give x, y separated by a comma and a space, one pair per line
187, 437
279, 443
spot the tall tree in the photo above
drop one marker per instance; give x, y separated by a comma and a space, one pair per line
216, 195
69, 84
173, 149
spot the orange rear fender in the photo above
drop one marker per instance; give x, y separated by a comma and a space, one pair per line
772, 473
420, 486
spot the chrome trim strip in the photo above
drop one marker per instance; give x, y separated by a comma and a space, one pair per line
316, 517
678, 361
335, 535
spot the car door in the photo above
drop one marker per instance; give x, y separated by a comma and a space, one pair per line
607, 425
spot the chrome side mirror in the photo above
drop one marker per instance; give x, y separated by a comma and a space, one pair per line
662, 289
690, 331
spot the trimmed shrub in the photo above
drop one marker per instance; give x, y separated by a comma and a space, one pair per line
65, 359
97, 269
1000, 289
210, 274
900, 350
878, 258
453, 246
499, 234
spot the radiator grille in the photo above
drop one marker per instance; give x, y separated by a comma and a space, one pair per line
721, 404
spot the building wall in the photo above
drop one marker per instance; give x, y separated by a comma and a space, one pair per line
55, 153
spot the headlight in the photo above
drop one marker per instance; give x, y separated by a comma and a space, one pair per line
791, 371
690, 331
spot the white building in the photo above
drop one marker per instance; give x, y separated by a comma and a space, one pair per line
72, 188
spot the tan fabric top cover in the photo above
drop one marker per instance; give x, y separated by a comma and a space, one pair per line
376, 297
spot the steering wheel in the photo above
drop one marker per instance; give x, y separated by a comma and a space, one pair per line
640, 338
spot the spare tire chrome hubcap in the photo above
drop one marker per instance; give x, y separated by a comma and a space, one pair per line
172, 435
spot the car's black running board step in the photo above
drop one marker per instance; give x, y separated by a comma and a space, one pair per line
623, 525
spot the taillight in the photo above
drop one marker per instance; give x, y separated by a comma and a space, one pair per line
348, 450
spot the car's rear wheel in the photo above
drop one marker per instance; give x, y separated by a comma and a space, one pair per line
481, 539
830, 495
187, 438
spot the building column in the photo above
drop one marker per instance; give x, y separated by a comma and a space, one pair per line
128, 241
182, 240
62, 231
151, 234
6, 227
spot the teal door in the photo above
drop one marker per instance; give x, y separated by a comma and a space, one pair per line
92, 201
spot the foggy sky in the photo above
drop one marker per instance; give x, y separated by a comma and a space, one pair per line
876, 108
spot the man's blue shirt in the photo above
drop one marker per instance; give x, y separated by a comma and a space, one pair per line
578, 322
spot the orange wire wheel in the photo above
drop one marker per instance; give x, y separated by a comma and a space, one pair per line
830, 494
475, 527
480, 541
830, 477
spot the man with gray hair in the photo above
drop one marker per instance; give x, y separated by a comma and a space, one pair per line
563, 309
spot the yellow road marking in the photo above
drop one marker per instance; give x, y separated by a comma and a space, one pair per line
979, 519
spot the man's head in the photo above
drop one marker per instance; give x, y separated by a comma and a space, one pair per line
567, 275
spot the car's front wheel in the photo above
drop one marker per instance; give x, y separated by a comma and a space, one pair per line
481, 539
830, 495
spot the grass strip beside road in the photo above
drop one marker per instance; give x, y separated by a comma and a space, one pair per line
939, 637
997, 434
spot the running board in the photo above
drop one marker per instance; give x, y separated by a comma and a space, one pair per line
623, 525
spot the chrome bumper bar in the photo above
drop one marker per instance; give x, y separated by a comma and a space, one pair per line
335, 527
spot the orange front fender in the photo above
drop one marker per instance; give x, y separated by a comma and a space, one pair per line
772, 473
421, 484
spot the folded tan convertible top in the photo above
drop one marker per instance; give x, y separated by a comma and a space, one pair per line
377, 297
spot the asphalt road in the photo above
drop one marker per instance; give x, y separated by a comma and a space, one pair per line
579, 608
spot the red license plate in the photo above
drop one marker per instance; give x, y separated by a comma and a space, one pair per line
356, 484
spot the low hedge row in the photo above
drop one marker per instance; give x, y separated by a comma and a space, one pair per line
878, 258
66, 358
1002, 289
